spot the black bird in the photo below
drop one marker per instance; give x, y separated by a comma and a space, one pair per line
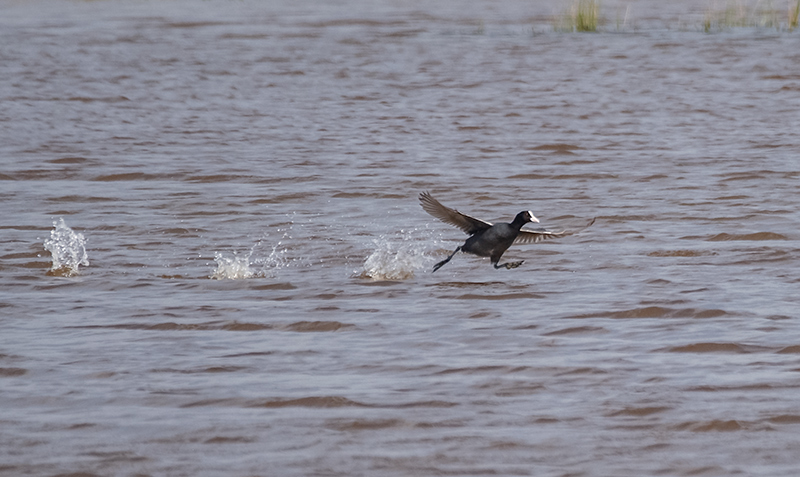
487, 240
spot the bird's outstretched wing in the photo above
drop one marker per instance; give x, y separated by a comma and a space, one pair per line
533, 236
468, 224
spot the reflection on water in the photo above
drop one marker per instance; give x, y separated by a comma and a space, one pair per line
260, 298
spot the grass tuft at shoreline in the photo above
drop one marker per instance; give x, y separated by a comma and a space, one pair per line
728, 14
719, 15
580, 16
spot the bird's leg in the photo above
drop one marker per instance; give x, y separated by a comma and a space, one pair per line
509, 265
440, 264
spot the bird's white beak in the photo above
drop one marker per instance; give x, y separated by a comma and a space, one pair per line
533, 219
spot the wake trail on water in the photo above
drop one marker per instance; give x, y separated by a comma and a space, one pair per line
390, 256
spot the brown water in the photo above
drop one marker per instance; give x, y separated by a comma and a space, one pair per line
256, 295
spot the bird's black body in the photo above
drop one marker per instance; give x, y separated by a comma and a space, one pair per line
486, 239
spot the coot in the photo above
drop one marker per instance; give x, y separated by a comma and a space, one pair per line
486, 239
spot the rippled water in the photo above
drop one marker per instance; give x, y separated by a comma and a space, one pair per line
257, 298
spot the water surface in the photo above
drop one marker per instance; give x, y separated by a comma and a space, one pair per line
258, 297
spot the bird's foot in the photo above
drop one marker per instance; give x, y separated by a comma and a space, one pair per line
441, 264
511, 265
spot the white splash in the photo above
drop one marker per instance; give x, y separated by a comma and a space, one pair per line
68, 249
397, 258
232, 268
239, 267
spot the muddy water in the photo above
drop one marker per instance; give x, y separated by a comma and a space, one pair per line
255, 296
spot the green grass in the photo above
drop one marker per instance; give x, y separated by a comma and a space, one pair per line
721, 15
793, 15
581, 16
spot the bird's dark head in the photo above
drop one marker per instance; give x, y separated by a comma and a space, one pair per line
525, 217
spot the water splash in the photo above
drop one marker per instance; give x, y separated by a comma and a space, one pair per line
232, 268
68, 249
397, 258
239, 267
